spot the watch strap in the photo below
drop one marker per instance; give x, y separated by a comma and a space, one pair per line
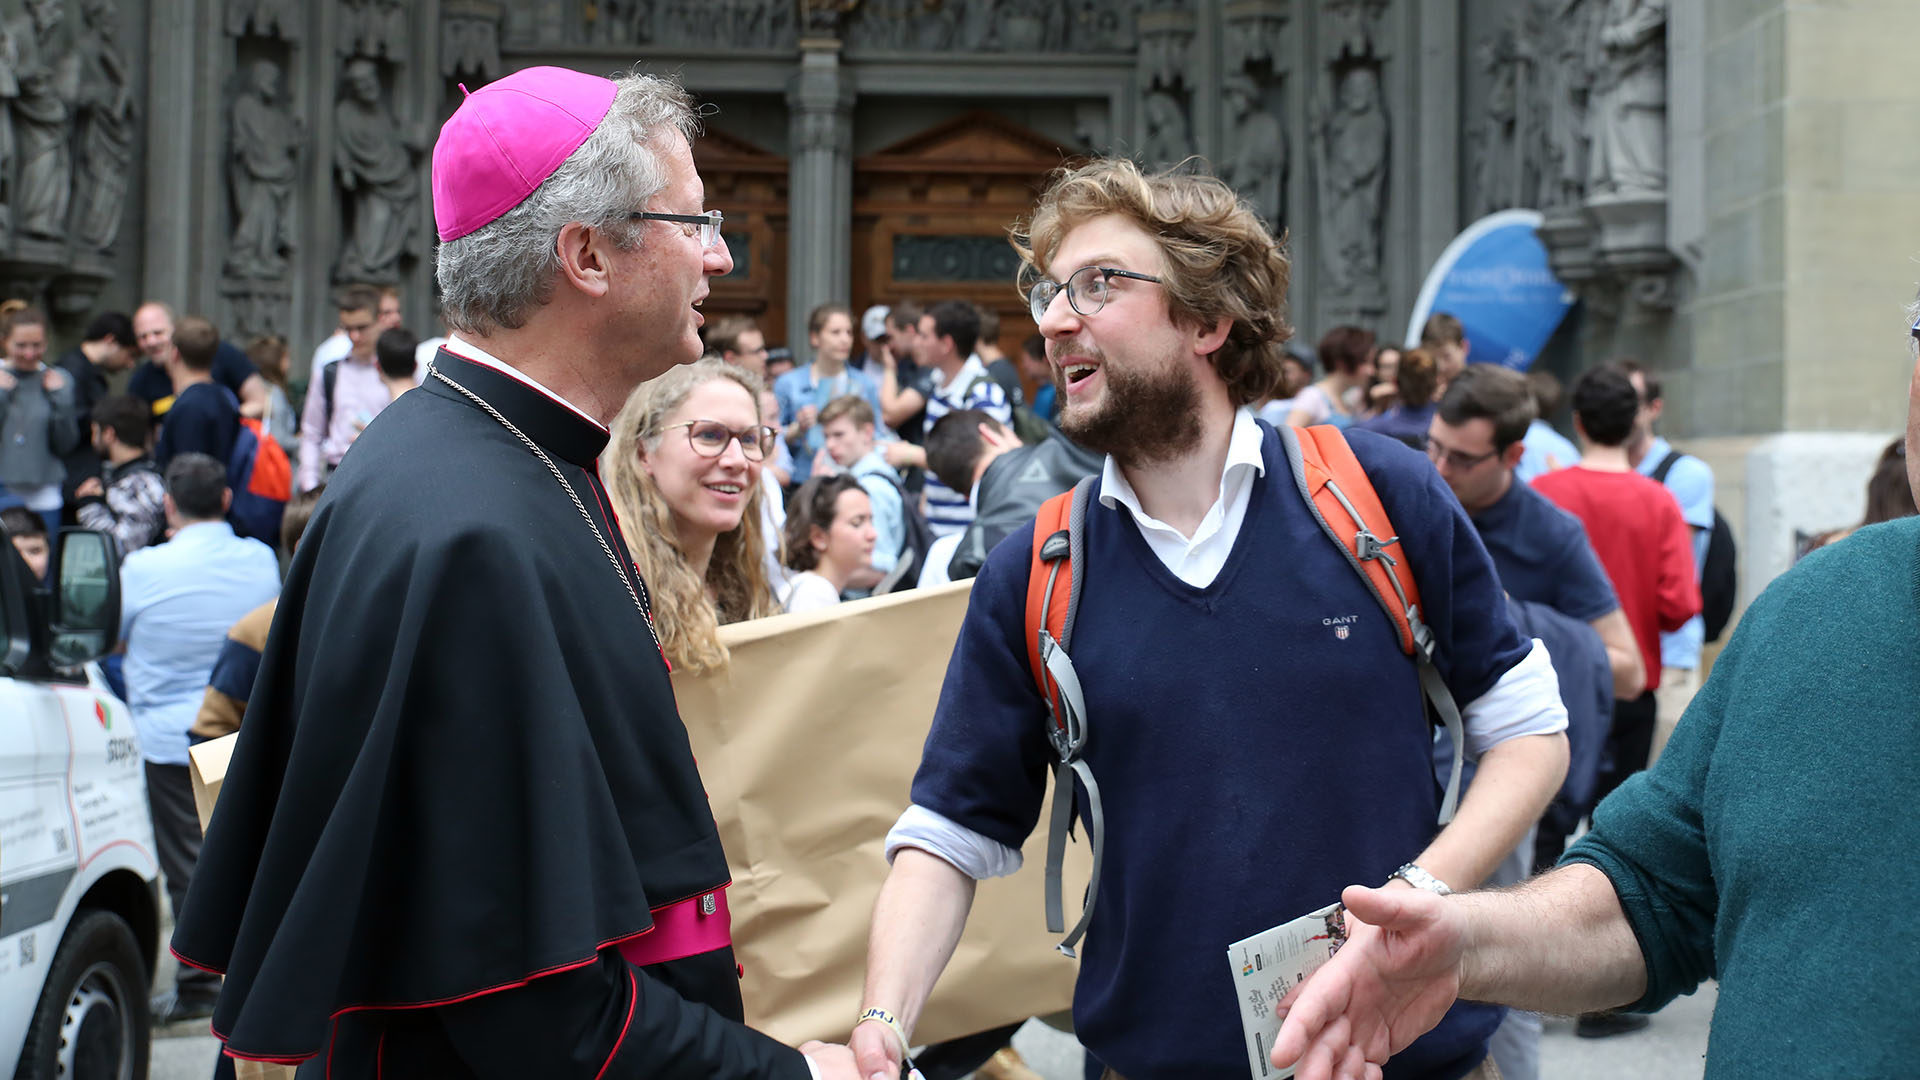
1416, 876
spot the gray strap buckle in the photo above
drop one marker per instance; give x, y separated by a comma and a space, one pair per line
1370, 547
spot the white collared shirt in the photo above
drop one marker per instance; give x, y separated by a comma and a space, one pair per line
1198, 559
467, 350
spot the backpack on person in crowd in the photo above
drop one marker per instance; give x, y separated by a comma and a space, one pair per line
1021, 420
1028, 425
329, 378
1344, 503
261, 479
1719, 575
916, 537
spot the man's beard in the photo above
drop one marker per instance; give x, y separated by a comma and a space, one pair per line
1144, 417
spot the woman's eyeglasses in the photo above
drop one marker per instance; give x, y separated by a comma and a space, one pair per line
709, 438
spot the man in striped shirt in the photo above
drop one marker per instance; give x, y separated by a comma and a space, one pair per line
953, 379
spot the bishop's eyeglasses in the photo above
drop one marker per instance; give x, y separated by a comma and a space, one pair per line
709, 438
707, 225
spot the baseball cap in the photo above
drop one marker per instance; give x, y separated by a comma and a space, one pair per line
506, 138
873, 323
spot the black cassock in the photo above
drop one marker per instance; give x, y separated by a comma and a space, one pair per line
462, 777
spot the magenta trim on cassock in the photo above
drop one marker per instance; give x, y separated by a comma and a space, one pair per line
684, 929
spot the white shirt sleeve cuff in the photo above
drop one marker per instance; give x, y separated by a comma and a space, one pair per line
813, 1069
973, 854
1526, 701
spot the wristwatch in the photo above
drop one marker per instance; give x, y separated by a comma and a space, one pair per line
1412, 874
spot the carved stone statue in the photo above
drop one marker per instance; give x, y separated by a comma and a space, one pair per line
1563, 56
1101, 25
376, 28
1092, 127
263, 18
375, 164
878, 24
1495, 147
706, 24
1630, 100
1169, 140
1032, 26
263, 154
1351, 144
616, 22
1255, 33
470, 39
976, 24
1166, 40
43, 120
9, 92
105, 128
1255, 162
1349, 30
825, 18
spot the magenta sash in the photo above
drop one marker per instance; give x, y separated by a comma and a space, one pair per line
693, 926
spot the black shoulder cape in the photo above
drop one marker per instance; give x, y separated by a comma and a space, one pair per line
461, 767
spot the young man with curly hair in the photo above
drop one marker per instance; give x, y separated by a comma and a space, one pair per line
1258, 735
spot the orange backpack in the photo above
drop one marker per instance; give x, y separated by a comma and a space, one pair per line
1343, 501
261, 479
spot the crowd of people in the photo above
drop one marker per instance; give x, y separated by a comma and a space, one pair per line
1567, 589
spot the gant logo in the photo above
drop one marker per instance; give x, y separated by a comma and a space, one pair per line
1342, 625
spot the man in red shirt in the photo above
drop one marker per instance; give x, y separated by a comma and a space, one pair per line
1644, 544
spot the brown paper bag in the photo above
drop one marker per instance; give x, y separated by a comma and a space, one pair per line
807, 743
207, 762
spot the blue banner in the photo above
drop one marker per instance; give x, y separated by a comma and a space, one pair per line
1495, 279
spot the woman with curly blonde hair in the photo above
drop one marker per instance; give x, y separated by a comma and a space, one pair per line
684, 470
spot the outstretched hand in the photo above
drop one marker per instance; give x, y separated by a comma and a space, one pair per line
1389, 984
876, 1051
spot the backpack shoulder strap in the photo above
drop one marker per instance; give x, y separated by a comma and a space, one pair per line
1349, 511
1054, 577
1331, 480
1048, 593
329, 376
1666, 465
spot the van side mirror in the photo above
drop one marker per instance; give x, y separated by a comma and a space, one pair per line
16, 609
86, 599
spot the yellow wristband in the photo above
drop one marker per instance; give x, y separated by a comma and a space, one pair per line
882, 1016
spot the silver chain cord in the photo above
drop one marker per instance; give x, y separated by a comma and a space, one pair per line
626, 579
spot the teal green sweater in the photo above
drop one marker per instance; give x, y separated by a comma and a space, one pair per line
1776, 845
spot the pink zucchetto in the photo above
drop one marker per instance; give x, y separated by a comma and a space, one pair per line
506, 138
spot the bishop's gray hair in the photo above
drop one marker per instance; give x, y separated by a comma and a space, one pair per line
494, 277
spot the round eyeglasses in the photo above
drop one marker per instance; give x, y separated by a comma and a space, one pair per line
709, 439
1087, 289
707, 225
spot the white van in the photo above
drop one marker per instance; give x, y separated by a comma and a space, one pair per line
79, 899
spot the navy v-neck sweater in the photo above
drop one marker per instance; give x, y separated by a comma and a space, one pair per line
1259, 743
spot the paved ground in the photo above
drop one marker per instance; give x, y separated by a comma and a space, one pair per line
1672, 1049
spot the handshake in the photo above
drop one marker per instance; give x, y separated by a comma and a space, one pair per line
877, 1050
